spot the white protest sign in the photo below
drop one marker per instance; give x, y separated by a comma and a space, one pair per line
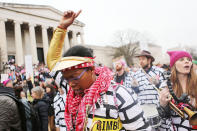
4, 77
28, 66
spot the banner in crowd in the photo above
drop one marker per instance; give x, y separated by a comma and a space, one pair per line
28, 66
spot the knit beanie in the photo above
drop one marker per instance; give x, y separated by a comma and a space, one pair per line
176, 55
121, 62
6, 81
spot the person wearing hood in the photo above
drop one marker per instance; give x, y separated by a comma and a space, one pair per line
41, 106
94, 100
9, 112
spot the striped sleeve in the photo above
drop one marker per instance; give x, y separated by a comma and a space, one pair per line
130, 112
147, 93
59, 108
59, 80
128, 81
56, 99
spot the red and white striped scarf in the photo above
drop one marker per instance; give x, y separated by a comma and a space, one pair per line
76, 105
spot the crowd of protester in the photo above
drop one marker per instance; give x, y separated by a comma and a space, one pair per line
35, 94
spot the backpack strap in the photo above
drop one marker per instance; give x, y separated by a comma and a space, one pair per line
9, 95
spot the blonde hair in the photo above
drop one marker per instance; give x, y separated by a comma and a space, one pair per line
38, 91
191, 84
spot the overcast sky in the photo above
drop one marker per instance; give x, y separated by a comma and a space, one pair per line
165, 22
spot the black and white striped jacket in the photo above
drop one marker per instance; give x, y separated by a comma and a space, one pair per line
59, 108
117, 109
171, 121
127, 82
59, 101
147, 93
176, 123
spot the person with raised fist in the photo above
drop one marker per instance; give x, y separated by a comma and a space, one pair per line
94, 100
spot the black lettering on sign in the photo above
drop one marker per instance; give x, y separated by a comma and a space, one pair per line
115, 126
103, 125
109, 125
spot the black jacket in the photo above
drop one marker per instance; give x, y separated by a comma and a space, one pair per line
51, 98
30, 85
118, 79
41, 106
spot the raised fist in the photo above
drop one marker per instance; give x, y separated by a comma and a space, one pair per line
68, 18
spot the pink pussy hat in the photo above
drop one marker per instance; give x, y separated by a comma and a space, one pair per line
176, 55
121, 62
6, 81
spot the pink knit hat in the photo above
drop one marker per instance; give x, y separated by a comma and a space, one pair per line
122, 62
176, 55
6, 81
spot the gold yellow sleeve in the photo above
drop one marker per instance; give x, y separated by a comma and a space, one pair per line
55, 48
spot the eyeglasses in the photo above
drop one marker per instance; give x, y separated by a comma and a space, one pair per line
78, 77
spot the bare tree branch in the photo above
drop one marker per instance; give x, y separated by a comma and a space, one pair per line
128, 44
193, 52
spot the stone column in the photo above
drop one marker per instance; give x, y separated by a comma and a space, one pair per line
18, 43
82, 38
66, 42
45, 41
27, 42
33, 43
3, 41
74, 39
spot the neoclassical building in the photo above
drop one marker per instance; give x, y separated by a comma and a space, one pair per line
103, 54
27, 30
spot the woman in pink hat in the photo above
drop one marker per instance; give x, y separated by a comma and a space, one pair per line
184, 81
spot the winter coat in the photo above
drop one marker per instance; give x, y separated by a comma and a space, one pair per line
9, 113
51, 97
30, 85
27, 114
41, 106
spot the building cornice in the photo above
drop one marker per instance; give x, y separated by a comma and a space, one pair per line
15, 7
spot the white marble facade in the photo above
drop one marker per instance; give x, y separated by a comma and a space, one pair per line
27, 30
